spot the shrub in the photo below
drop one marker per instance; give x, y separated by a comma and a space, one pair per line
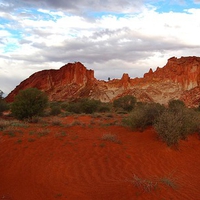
173, 125
198, 108
55, 110
168, 127
4, 124
144, 115
104, 107
176, 105
64, 106
28, 103
110, 137
87, 106
127, 103
3, 104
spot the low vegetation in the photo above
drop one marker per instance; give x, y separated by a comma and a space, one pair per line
3, 105
177, 123
127, 103
110, 137
149, 185
144, 115
172, 123
29, 103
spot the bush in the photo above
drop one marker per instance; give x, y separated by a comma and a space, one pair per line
3, 105
55, 110
176, 105
104, 107
173, 125
168, 127
28, 103
144, 115
127, 103
87, 106
64, 105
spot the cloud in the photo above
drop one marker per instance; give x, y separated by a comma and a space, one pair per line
34, 38
197, 1
78, 7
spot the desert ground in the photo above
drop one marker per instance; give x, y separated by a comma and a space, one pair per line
94, 158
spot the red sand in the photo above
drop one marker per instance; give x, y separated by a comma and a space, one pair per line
73, 162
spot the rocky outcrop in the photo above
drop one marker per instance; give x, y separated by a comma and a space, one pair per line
65, 83
178, 79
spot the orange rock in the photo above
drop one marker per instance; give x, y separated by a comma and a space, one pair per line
178, 79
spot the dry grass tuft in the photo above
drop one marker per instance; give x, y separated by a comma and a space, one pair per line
110, 137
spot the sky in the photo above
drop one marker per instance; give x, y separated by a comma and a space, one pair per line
111, 37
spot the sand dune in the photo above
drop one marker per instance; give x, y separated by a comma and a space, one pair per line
73, 162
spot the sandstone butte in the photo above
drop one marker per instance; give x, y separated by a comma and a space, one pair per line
178, 79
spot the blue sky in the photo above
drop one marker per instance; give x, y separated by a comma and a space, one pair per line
175, 6
110, 37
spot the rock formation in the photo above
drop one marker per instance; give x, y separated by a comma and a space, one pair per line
178, 79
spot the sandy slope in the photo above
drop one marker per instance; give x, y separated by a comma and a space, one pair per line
73, 162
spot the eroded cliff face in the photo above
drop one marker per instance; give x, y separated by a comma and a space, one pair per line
65, 83
178, 79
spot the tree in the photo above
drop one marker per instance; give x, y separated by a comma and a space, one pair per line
28, 103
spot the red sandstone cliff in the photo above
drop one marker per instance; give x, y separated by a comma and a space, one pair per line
178, 79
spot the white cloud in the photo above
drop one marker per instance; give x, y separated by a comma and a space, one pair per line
197, 1
131, 43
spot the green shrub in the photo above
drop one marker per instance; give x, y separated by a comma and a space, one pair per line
3, 105
74, 107
104, 107
4, 124
87, 106
176, 105
174, 125
198, 108
168, 126
55, 110
144, 115
64, 105
126, 102
28, 103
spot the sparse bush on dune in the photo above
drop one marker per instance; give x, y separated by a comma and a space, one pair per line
28, 103
176, 123
144, 115
172, 124
110, 137
168, 127
152, 184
